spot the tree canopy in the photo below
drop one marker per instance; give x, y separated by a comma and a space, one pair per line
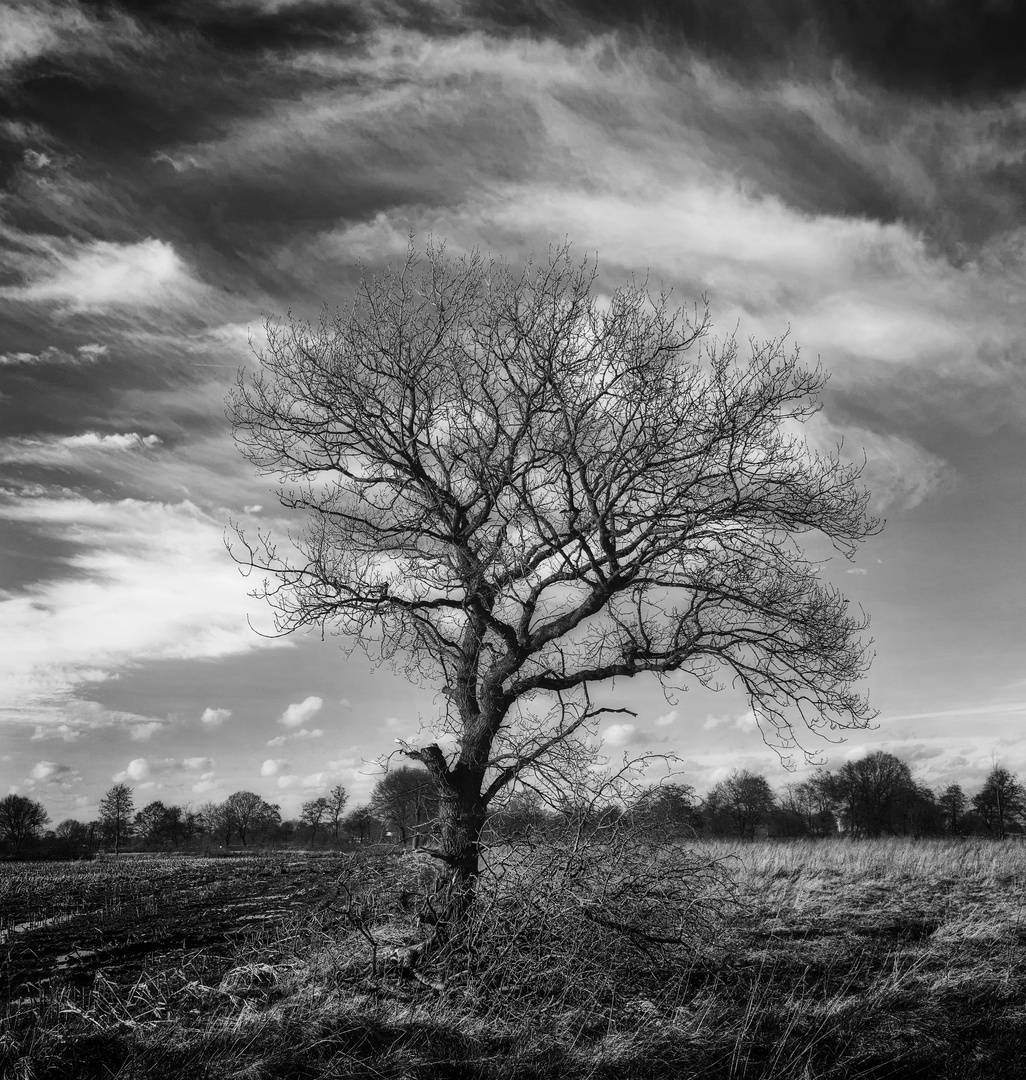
116, 808
21, 820
519, 490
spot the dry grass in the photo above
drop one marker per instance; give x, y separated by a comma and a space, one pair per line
839, 959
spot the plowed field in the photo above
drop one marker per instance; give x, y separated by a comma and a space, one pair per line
70, 921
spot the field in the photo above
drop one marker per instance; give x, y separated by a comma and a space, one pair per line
69, 922
812, 960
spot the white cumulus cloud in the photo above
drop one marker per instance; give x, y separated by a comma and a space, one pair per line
302, 733
51, 771
59, 731
314, 780
215, 717
619, 734
299, 713
145, 731
142, 769
137, 769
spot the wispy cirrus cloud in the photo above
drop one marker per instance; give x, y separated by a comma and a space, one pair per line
65, 732
145, 581
898, 472
28, 31
54, 449
45, 28
83, 354
103, 275
70, 719
847, 251
302, 733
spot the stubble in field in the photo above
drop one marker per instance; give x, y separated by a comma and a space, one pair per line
828, 959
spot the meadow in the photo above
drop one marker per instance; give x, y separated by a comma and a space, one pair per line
799, 959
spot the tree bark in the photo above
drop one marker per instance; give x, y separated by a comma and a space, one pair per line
462, 813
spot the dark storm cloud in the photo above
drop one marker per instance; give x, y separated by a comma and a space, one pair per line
247, 145
943, 47
252, 27
115, 127
245, 136
121, 125
934, 47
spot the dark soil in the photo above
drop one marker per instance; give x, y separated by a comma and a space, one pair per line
122, 918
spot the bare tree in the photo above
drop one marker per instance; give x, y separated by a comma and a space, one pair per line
746, 799
76, 835
407, 800
157, 824
216, 821
73, 830
812, 802
670, 808
246, 812
115, 813
360, 823
337, 799
517, 491
519, 815
1001, 801
314, 813
21, 820
872, 793
953, 803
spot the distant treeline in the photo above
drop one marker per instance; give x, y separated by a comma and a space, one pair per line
874, 796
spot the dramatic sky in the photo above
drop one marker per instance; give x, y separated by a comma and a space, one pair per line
853, 171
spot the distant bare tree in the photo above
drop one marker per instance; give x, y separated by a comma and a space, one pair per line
116, 813
406, 799
190, 824
518, 490
247, 812
157, 824
75, 836
360, 823
77, 832
313, 814
668, 808
21, 820
747, 799
873, 792
953, 804
519, 815
812, 804
216, 821
338, 797
1001, 801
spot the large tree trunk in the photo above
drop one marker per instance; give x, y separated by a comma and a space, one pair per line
462, 814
